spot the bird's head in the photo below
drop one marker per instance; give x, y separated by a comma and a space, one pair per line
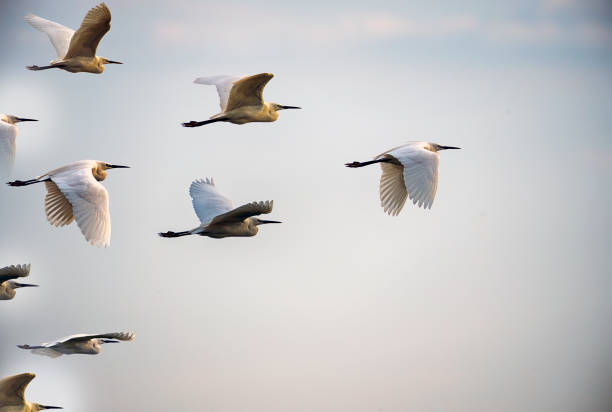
39, 407
276, 107
434, 147
99, 171
16, 285
104, 60
11, 119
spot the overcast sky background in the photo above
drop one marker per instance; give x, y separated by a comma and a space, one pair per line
499, 298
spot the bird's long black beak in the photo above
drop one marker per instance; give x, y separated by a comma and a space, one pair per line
118, 167
113, 62
25, 285
448, 147
290, 107
51, 407
261, 221
109, 341
23, 119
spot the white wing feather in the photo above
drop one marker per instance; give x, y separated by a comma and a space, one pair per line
59, 35
89, 200
8, 148
224, 84
208, 202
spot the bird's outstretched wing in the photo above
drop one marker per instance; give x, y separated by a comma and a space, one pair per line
57, 207
248, 91
14, 272
12, 389
244, 211
420, 177
113, 335
207, 201
89, 200
224, 84
59, 35
94, 26
8, 148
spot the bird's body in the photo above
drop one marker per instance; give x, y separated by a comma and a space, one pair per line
409, 171
8, 141
76, 51
8, 285
84, 344
74, 193
241, 100
12, 395
218, 217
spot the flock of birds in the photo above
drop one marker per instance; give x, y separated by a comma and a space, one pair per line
74, 192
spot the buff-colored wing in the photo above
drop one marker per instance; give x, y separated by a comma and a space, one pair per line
208, 201
244, 211
126, 336
12, 389
58, 34
57, 207
95, 25
14, 272
393, 193
248, 91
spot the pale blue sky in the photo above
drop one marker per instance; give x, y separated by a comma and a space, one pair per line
498, 298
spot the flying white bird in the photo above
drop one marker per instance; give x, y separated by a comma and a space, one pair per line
8, 285
410, 171
8, 141
241, 100
74, 193
12, 395
85, 344
218, 216
76, 51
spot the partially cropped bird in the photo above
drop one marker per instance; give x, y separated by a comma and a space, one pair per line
76, 51
409, 171
85, 344
241, 100
8, 285
8, 141
218, 216
74, 193
12, 395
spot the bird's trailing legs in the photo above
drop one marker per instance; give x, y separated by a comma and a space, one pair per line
174, 234
36, 68
193, 123
19, 183
362, 164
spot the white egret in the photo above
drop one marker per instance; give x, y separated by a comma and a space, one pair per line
8, 141
85, 344
218, 216
74, 193
410, 170
76, 51
12, 395
8, 285
241, 100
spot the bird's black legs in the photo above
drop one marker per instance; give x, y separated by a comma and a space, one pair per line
174, 234
19, 183
36, 68
193, 123
362, 164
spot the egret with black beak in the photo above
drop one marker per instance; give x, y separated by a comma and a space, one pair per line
8, 285
8, 141
241, 100
74, 192
85, 344
76, 51
12, 395
218, 216
410, 171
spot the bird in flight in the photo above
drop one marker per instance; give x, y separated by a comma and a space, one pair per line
74, 192
12, 395
218, 216
76, 51
241, 100
408, 171
8, 141
8, 285
85, 344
